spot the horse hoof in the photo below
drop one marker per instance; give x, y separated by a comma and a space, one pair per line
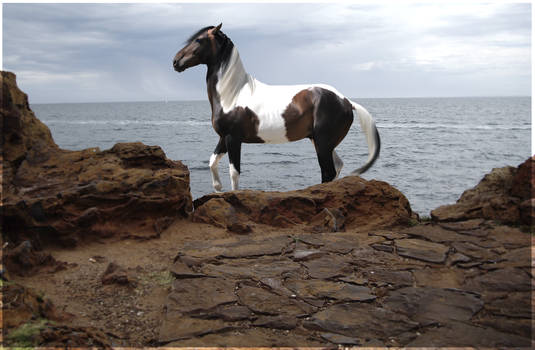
218, 188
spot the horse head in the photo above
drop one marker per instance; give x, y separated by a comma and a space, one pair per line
201, 48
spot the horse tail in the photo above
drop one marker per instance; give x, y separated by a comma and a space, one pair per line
372, 137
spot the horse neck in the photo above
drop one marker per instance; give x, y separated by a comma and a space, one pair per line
226, 80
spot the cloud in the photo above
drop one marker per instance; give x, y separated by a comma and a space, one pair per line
124, 51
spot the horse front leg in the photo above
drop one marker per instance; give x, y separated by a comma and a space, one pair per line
233, 144
219, 152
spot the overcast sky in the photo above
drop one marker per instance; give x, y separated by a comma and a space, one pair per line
123, 52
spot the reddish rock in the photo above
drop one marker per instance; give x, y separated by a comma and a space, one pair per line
115, 274
55, 196
524, 180
350, 202
24, 260
505, 194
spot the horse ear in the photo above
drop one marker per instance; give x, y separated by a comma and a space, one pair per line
216, 29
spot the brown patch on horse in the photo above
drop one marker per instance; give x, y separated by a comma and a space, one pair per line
241, 122
249, 124
299, 116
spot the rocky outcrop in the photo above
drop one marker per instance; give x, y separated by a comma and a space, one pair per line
416, 286
350, 202
505, 194
63, 197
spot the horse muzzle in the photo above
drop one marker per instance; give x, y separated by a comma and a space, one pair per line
176, 65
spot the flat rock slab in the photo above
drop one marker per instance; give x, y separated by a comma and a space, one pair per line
362, 319
262, 267
462, 334
264, 302
185, 293
397, 278
314, 289
437, 234
502, 280
422, 250
341, 339
516, 305
176, 327
439, 278
328, 266
434, 305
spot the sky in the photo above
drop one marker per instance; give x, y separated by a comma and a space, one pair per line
123, 52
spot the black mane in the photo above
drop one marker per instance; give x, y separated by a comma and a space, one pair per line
191, 38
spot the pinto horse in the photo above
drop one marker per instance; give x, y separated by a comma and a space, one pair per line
246, 110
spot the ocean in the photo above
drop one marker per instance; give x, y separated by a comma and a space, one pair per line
432, 148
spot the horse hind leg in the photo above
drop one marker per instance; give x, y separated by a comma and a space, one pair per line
326, 161
338, 164
330, 163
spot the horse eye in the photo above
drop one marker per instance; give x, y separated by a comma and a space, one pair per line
198, 41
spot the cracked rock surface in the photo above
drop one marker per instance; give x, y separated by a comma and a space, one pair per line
440, 285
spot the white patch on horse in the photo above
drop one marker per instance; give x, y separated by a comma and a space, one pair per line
237, 88
231, 79
234, 176
214, 162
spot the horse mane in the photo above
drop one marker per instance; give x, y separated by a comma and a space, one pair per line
191, 38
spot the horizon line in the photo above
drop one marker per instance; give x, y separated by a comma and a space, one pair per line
352, 98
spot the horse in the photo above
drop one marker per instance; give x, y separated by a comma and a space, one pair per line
245, 110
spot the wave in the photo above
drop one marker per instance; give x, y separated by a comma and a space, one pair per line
451, 126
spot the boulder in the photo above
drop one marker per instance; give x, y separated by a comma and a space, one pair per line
350, 202
505, 194
55, 196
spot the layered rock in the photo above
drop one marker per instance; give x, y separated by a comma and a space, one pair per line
57, 196
505, 194
350, 202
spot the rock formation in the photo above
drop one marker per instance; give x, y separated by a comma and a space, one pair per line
57, 196
505, 194
350, 202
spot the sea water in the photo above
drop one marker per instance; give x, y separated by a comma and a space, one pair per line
432, 149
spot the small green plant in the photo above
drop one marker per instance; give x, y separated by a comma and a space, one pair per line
25, 335
161, 278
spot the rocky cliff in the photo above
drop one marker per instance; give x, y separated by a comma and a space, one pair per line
51, 195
